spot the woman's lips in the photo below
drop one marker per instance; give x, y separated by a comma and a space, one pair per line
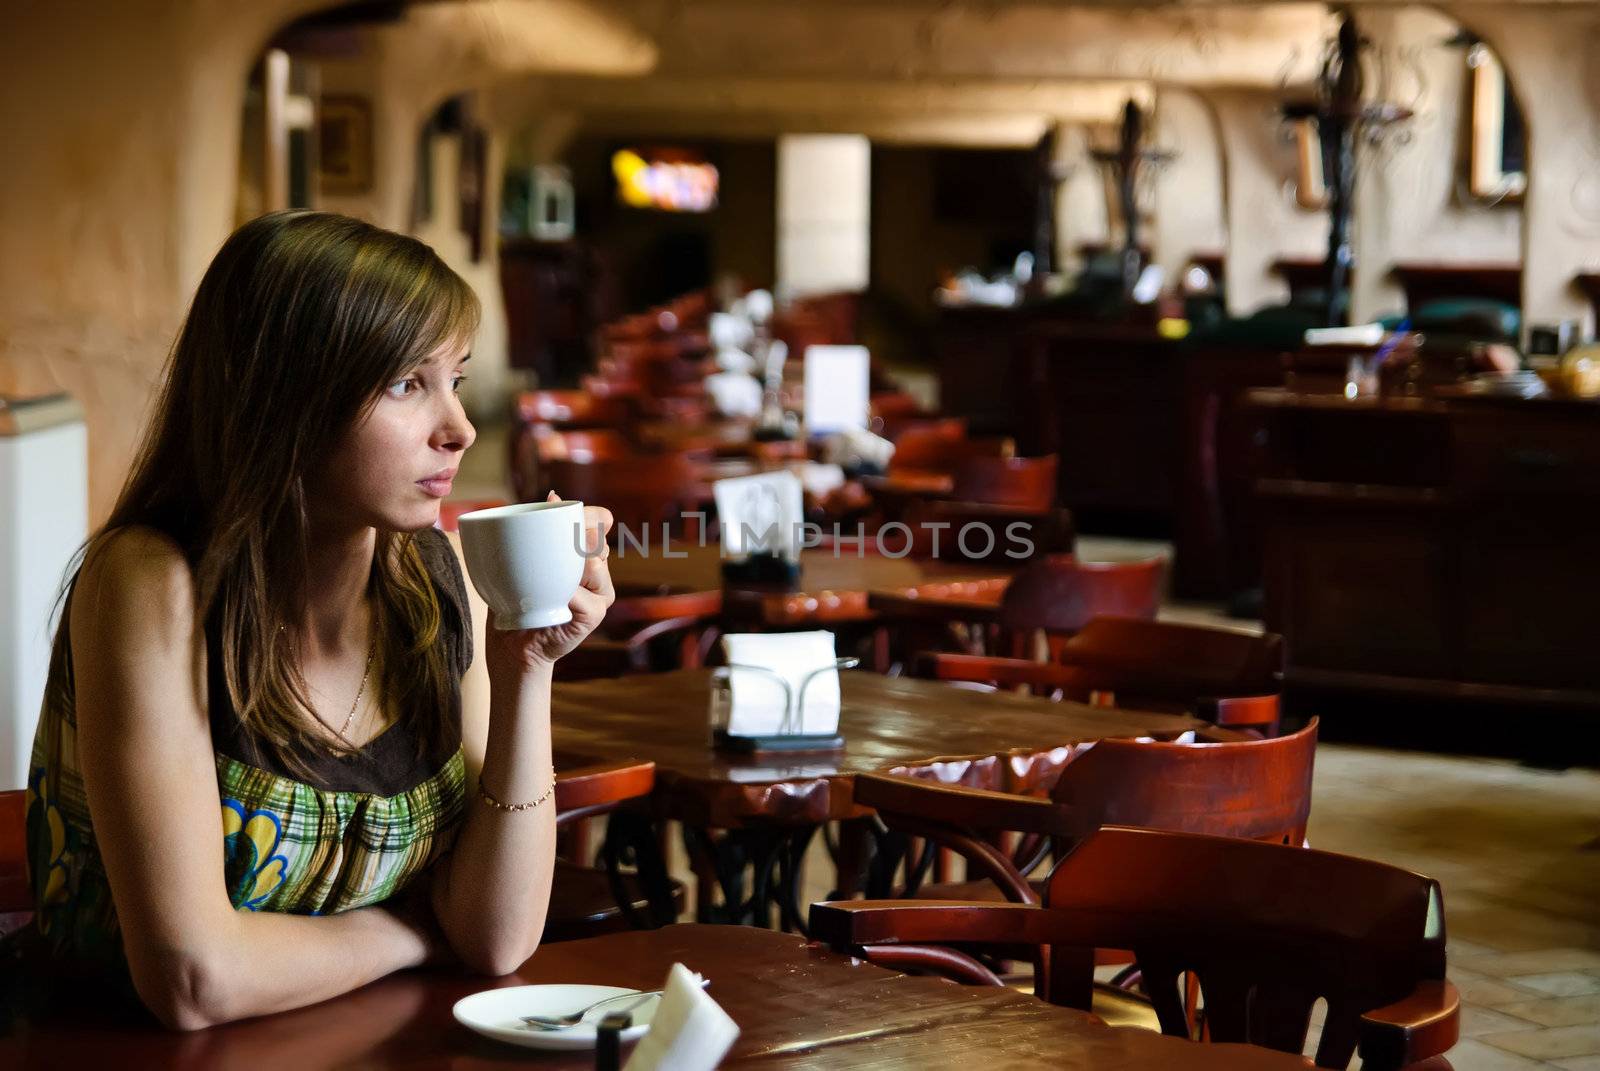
438, 488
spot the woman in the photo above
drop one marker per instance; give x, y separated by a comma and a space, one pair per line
271, 766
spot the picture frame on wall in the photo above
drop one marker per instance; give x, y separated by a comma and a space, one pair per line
345, 146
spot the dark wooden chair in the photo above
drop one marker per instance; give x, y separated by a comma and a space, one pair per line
1235, 787
1059, 594
640, 490
586, 901
16, 895
1046, 602
1024, 482
569, 409
1229, 678
644, 633
975, 532
1267, 929
1255, 715
943, 446
535, 447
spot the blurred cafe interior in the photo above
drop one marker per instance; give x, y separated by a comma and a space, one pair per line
1205, 391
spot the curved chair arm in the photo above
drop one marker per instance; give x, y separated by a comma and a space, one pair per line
851, 924
1007, 672
1419, 1027
1246, 713
965, 808
946, 962
587, 790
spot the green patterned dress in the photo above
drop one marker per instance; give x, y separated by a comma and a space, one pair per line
354, 834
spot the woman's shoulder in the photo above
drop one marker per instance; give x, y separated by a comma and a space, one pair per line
136, 568
440, 559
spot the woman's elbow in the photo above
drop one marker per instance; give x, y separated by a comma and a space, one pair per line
493, 956
186, 994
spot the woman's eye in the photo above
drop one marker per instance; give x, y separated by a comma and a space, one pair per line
455, 384
402, 387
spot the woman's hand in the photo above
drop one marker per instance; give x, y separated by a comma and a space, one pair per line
517, 652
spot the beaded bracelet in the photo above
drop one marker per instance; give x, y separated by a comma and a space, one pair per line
483, 794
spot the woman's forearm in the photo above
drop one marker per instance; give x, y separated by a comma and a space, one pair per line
265, 962
492, 891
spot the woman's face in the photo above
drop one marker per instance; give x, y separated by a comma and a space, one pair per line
395, 465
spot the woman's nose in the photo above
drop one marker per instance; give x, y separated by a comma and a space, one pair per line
455, 431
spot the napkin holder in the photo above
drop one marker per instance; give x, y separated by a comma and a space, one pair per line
608, 1041
762, 570
791, 735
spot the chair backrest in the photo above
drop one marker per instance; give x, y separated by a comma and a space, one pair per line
1267, 929
15, 893
969, 531
643, 489
590, 790
1257, 714
1024, 482
589, 444
1139, 659
1256, 789
569, 409
1060, 594
942, 446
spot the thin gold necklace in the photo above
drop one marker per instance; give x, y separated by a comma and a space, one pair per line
372, 649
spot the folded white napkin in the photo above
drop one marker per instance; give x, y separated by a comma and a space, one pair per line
759, 705
1360, 335
689, 1031
760, 513
853, 447
758, 305
734, 359
818, 479
734, 394
729, 331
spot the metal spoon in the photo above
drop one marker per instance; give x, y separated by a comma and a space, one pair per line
561, 1022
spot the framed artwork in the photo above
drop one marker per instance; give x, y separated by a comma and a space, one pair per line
1497, 151
345, 144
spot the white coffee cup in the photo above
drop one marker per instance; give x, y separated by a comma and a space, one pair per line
526, 560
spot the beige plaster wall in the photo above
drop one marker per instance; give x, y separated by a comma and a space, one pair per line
1411, 203
1082, 214
121, 130
1188, 195
824, 214
1244, 44
121, 127
1263, 222
1552, 57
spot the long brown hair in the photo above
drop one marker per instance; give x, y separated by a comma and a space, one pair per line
298, 325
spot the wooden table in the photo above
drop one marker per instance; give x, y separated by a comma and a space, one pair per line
755, 815
835, 582
797, 1006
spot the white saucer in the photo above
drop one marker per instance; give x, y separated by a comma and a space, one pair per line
497, 1013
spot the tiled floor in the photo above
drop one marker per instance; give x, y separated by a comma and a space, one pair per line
1517, 851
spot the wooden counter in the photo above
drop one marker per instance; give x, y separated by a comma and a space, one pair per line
1147, 429
1441, 547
